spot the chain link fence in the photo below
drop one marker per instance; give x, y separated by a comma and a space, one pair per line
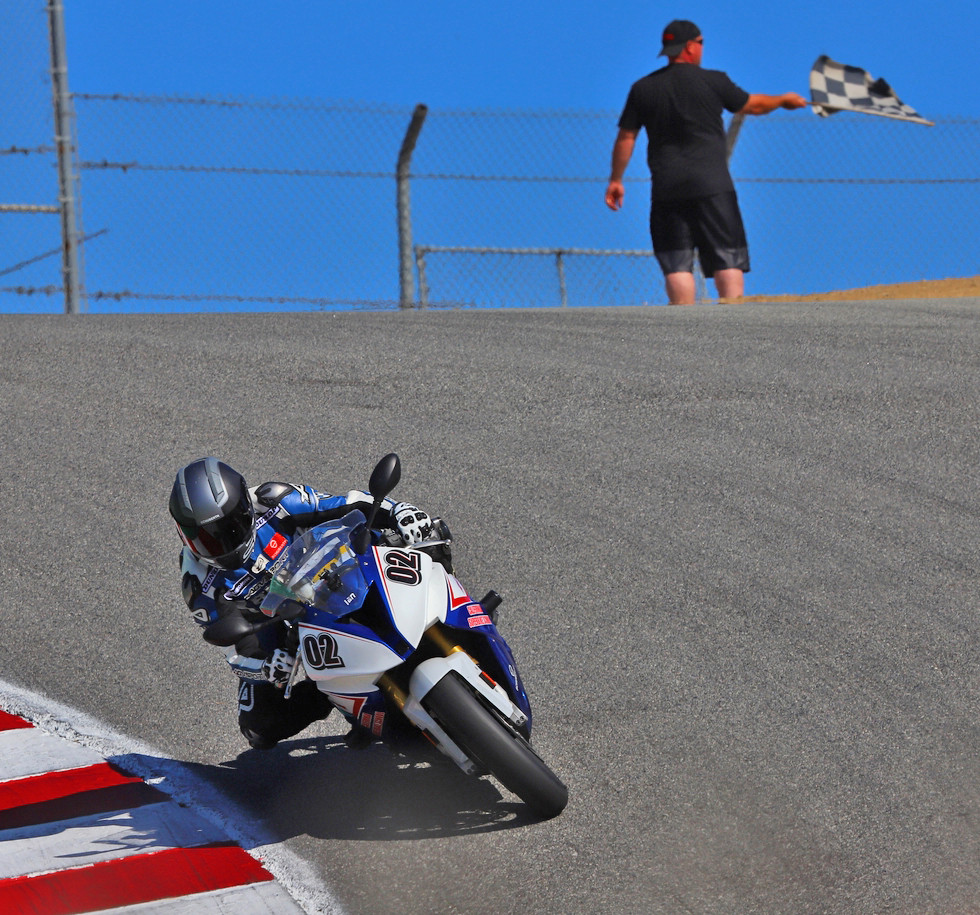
30, 230
239, 204
271, 204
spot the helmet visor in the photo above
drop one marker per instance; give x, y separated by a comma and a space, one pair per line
223, 541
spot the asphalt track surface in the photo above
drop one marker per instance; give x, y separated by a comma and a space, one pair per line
737, 548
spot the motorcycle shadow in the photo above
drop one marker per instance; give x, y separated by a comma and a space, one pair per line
320, 788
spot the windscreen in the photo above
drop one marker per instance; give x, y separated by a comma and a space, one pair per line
321, 570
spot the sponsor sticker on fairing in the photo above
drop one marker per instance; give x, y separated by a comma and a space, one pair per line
373, 722
475, 621
457, 593
351, 705
275, 546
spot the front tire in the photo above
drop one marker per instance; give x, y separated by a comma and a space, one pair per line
498, 748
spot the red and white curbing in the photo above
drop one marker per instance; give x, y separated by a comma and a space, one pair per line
81, 834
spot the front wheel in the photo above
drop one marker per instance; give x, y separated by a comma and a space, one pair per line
505, 753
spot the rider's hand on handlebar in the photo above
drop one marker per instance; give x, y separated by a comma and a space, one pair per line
412, 523
278, 668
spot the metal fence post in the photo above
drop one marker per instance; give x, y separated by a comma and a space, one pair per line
423, 282
562, 288
402, 174
63, 142
731, 135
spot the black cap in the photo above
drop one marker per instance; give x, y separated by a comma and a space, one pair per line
677, 34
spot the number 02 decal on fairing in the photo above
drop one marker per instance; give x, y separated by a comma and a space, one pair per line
403, 567
321, 651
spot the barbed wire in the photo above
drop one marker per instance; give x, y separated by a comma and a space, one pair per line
451, 176
345, 106
321, 301
256, 103
33, 290
29, 208
351, 106
27, 151
236, 170
126, 294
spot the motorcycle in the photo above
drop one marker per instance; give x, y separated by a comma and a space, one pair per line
398, 644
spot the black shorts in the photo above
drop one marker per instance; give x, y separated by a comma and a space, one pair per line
712, 225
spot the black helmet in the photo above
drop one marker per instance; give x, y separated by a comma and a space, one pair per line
214, 514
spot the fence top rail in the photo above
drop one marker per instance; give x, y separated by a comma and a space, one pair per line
485, 249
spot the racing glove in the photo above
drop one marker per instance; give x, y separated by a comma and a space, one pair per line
278, 668
411, 523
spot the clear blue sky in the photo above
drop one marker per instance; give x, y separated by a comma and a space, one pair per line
456, 56
511, 53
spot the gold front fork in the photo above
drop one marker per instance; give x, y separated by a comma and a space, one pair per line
393, 691
441, 641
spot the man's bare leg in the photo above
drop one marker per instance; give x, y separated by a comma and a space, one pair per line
680, 288
730, 283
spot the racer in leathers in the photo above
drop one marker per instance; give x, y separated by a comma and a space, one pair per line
231, 534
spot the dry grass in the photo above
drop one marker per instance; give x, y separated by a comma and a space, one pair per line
926, 289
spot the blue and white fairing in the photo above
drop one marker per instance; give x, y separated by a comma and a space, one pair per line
365, 615
480, 637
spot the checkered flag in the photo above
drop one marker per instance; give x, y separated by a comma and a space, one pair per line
838, 87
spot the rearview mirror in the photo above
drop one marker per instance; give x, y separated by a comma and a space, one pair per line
232, 628
228, 630
385, 476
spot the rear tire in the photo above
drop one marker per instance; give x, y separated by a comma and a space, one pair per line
496, 746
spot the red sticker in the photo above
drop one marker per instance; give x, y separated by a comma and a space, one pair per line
276, 545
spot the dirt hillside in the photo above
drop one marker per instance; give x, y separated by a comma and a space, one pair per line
926, 289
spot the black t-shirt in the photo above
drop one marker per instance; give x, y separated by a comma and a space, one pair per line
680, 106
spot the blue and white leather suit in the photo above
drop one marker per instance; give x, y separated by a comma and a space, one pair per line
281, 510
